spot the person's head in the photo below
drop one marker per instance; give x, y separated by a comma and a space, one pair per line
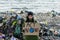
30, 15
19, 21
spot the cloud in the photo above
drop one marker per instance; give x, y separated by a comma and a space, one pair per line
32, 5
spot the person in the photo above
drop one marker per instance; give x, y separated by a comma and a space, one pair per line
31, 25
11, 21
18, 30
2, 36
30, 17
1, 24
2, 29
8, 29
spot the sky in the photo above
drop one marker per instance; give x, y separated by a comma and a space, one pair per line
32, 5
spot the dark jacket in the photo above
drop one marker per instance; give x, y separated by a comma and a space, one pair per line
28, 20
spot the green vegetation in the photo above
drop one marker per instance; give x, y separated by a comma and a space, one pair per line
31, 37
